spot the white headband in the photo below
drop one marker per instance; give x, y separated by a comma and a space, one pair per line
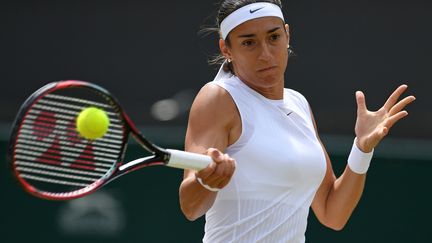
248, 12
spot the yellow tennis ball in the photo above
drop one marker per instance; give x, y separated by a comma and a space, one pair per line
92, 123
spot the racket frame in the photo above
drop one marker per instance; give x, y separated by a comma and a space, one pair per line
159, 155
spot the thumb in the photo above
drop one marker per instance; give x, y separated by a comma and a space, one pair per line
361, 102
215, 154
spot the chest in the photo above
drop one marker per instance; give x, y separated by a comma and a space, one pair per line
282, 152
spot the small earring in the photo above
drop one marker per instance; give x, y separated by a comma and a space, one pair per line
288, 46
229, 60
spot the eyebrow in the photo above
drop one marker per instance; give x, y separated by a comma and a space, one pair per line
252, 35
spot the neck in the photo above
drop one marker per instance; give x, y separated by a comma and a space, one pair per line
273, 92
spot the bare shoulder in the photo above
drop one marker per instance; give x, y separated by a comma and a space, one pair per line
214, 121
213, 103
214, 93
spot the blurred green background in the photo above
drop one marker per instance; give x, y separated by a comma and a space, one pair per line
150, 56
143, 206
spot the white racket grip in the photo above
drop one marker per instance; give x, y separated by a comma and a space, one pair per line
187, 160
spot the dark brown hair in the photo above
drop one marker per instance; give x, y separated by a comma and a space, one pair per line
226, 7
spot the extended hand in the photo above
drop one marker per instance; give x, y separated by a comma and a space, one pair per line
372, 126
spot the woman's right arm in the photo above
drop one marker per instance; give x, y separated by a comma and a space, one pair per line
213, 125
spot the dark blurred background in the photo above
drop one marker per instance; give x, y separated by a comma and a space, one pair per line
150, 55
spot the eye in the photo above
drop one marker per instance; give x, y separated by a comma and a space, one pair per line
274, 37
247, 42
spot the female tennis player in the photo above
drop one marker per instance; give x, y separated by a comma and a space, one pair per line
269, 163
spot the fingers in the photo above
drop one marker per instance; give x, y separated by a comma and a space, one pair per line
218, 176
217, 158
361, 102
384, 130
225, 172
216, 155
395, 118
394, 97
219, 172
401, 105
381, 131
206, 172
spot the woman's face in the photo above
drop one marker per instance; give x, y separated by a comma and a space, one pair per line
259, 53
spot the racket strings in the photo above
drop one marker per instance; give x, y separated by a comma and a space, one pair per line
61, 169
49, 123
46, 118
53, 181
59, 155
66, 118
43, 125
50, 154
46, 136
46, 142
67, 163
86, 151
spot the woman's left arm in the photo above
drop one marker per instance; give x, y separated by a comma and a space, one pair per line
336, 198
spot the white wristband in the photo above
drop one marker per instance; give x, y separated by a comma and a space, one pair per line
207, 186
358, 161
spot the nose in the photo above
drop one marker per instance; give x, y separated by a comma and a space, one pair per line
265, 54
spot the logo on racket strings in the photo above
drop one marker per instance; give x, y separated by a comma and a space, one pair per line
60, 136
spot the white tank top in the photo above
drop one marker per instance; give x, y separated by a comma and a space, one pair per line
280, 165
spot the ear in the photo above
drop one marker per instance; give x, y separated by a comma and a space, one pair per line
287, 31
224, 49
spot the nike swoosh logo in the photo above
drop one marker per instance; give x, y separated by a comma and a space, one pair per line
289, 113
253, 11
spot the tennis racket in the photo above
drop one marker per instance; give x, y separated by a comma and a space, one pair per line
52, 161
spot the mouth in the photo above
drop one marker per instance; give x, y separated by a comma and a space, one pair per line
266, 69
